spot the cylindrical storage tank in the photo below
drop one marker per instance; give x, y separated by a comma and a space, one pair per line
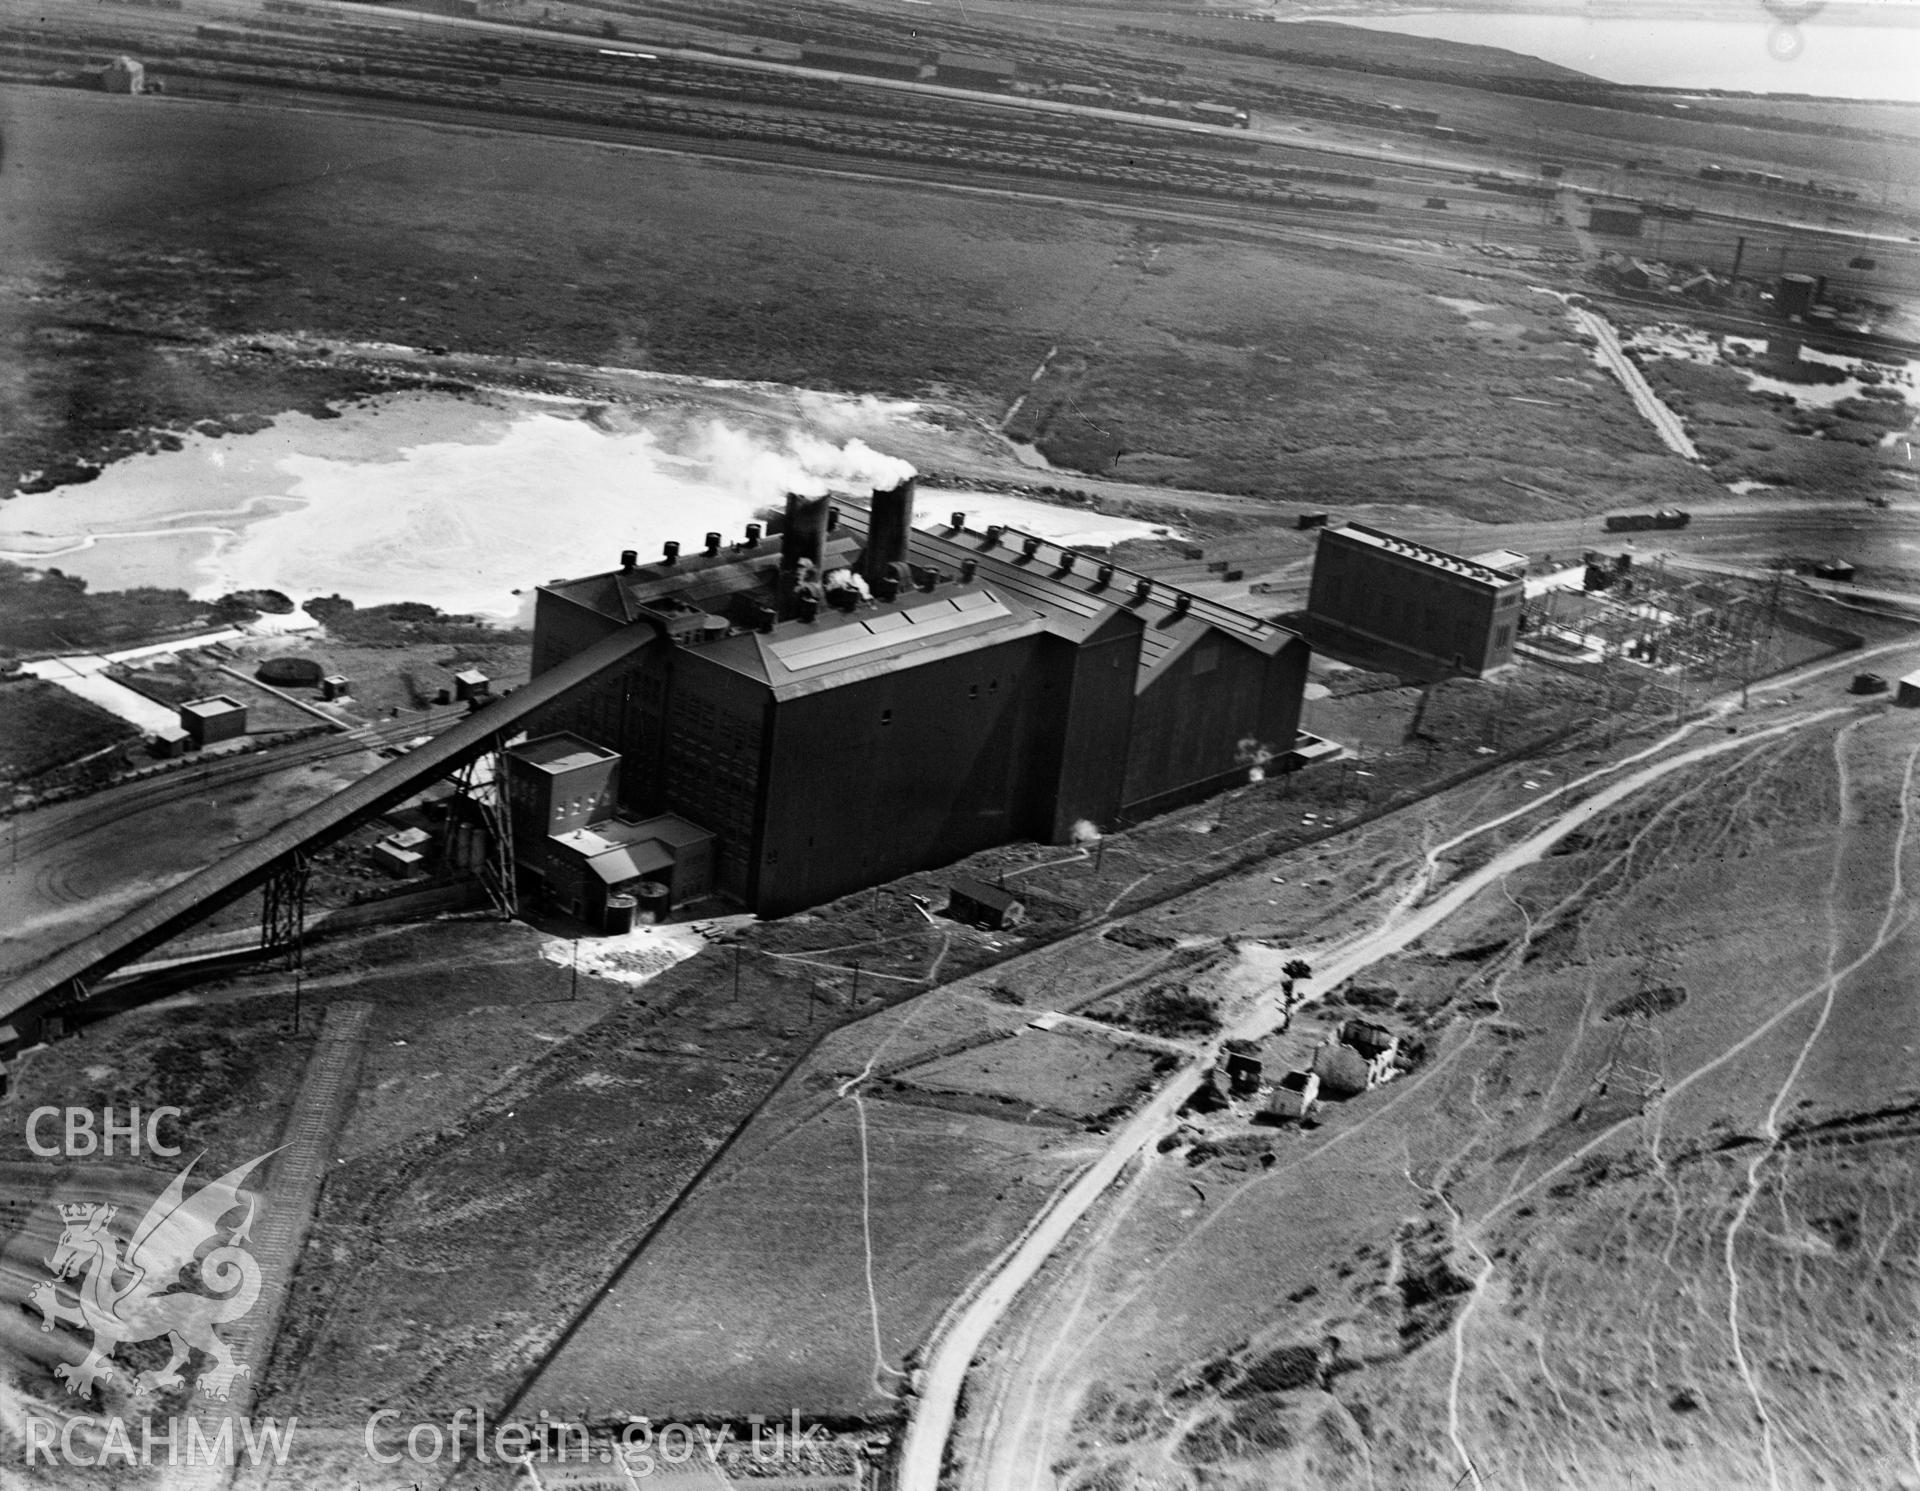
619, 919
652, 901
1794, 296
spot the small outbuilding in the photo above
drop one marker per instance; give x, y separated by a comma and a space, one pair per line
471, 683
1376, 1045
170, 741
123, 75
1908, 694
1294, 1095
989, 906
335, 686
396, 860
213, 719
1244, 1067
1868, 683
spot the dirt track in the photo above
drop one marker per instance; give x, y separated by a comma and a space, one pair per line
1477, 1166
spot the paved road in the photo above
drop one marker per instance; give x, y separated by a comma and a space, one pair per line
933, 1411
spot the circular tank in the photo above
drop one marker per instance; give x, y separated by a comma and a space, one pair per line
1794, 296
619, 918
651, 903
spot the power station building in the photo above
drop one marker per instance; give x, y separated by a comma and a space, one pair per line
855, 699
1462, 614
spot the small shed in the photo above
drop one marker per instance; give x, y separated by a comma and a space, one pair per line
989, 906
335, 686
10, 1042
1908, 695
1868, 683
170, 741
1294, 1095
1377, 1046
1244, 1067
396, 861
1834, 569
123, 75
213, 719
471, 683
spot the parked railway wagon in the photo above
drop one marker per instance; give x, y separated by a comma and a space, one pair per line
1666, 517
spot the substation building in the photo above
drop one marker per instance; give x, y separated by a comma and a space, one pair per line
1462, 614
853, 699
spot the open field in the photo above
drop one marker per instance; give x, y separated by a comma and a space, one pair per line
43, 726
1221, 358
1631, 1216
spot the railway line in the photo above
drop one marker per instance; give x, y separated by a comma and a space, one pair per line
113, 805
1375, 231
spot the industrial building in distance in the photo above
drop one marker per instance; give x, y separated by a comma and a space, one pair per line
856, 699
1461, 614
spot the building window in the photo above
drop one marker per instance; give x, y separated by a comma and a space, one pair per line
993, 685
973, 691
1503, 636
886, 716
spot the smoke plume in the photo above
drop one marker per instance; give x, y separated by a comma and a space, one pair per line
746, 463
846, 579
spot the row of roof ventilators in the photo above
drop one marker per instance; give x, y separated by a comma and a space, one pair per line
1065, 561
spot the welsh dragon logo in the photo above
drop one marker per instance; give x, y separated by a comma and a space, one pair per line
136, 1297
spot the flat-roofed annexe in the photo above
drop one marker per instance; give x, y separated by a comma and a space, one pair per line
1457, 612
995, 687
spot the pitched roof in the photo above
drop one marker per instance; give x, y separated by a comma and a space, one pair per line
1021, 583
1074, 592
